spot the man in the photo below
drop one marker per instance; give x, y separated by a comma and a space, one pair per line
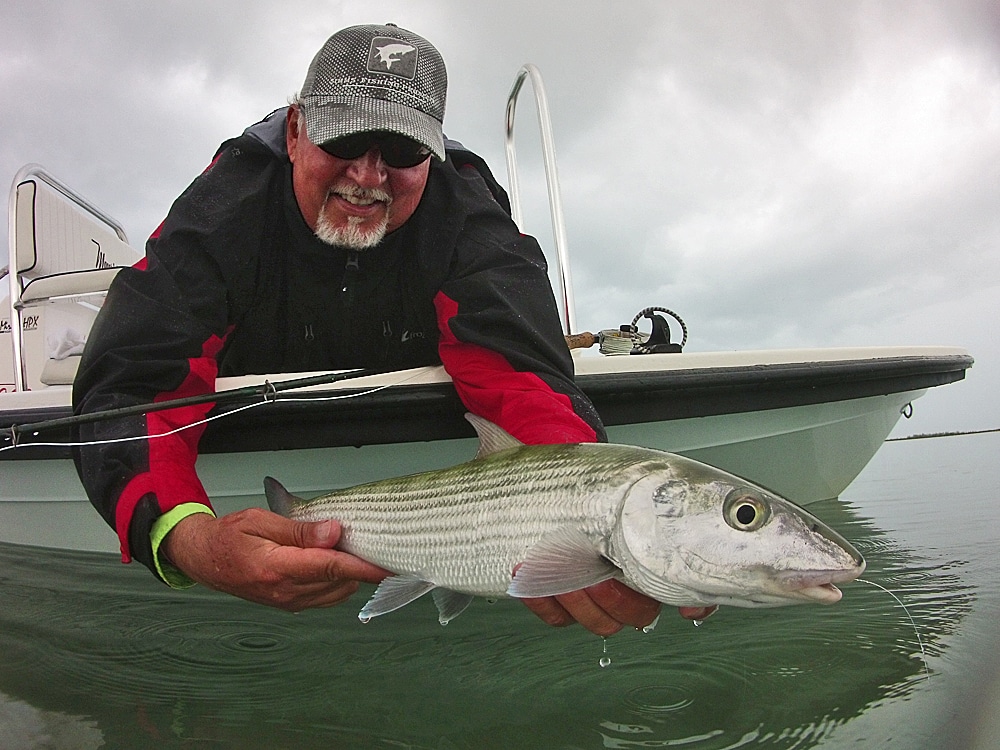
339, 233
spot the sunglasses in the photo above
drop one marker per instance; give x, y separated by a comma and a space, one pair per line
397, 151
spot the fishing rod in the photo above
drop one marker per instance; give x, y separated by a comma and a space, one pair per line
266, 390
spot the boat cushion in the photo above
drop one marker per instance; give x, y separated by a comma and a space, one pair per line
91, 281
60, 371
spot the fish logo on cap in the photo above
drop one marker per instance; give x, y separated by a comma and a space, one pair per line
387, 55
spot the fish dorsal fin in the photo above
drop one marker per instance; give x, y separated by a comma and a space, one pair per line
562, 561
450, 604
394, 592
280, 500
492, 438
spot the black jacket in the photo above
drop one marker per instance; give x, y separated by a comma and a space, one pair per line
234, 282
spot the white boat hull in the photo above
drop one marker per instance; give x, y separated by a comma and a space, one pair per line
806, 453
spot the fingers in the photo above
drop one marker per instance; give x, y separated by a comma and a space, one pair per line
294, 597
603, 609
322, 536
324, 565
550, 611
304, 579
306, 548
628, 605
697, 613
285, 531
586, 611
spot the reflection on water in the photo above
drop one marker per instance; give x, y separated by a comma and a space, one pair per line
94, 654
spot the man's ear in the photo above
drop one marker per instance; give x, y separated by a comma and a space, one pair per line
292, 131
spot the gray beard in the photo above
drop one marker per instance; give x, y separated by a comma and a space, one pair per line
352, 236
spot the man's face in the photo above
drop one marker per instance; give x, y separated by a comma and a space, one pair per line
350, 202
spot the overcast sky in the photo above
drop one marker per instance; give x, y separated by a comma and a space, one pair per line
782, 174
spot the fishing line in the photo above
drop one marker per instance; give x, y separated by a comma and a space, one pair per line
133, 438
268, 397
916, 631
267, 390
942, 434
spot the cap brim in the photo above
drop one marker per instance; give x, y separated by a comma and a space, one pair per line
329, 118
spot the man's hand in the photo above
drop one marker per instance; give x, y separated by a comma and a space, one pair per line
606, 608
265, 558
603, 609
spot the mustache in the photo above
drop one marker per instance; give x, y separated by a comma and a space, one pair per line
348, 190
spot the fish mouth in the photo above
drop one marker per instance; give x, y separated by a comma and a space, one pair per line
818, 585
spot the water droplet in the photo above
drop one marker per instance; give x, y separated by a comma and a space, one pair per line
605, 660
364, 620
649, 628
697, 623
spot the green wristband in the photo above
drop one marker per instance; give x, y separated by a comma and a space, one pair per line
163, 525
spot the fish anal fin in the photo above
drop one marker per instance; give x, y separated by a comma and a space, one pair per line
450, 604
562, 561
394, 592
492, 438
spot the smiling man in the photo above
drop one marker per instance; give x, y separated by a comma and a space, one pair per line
340, 232
371, 187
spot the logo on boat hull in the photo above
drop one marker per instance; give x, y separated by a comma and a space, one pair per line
102, 259
30, 323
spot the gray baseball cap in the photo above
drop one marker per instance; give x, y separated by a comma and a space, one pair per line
383, 78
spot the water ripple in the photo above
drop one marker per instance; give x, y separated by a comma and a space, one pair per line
86, 637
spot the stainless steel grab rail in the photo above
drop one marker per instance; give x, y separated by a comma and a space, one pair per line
551, 181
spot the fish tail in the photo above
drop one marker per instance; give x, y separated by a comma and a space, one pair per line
279, 500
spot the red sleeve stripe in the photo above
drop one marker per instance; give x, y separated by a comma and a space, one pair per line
519, 402
171, 476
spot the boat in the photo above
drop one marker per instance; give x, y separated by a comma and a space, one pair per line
801, 422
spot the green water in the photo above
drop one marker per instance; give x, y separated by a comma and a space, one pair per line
94, 654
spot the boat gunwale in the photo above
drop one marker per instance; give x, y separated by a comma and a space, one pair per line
425, 406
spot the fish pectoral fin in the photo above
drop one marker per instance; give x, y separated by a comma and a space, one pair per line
560, 562
450, 604
394, 592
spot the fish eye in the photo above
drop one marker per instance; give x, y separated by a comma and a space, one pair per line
745, 512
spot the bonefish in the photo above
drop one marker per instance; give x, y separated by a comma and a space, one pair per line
571, 515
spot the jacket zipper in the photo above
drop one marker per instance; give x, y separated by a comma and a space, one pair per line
350, 277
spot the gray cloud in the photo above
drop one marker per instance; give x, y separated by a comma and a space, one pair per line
781, 173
